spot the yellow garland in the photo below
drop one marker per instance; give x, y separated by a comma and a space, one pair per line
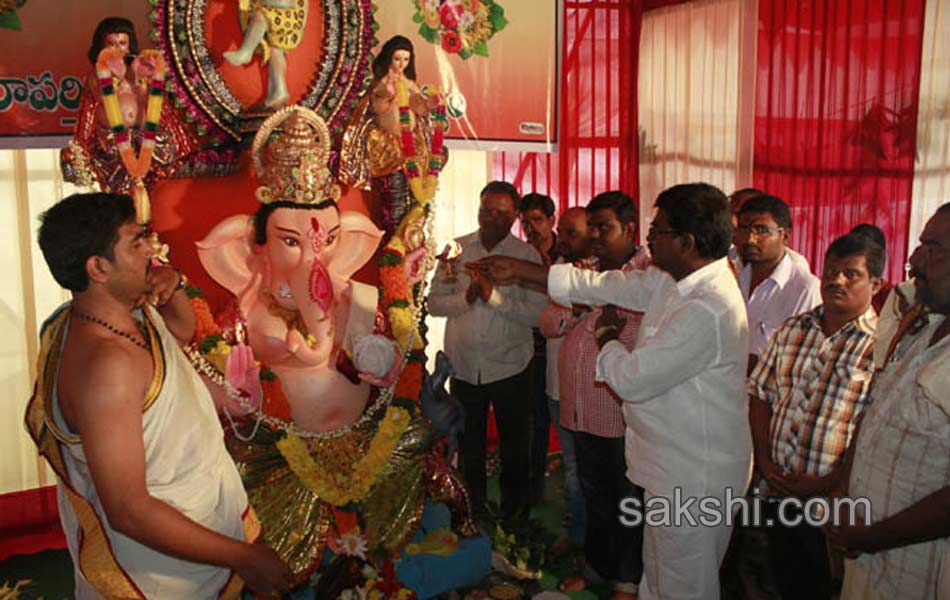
340, 489
424, 185
137, 166
403, 320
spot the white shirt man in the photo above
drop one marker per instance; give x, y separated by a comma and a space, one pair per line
789, 290
489, 339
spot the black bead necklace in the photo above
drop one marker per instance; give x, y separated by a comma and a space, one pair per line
90, 319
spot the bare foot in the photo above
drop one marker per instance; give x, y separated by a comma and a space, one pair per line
278, 100
238, 58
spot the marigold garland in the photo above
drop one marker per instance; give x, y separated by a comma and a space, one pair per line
137, 166
410, 382
423, 188
340, 489
205, 324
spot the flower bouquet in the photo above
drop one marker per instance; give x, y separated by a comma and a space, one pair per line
461, 27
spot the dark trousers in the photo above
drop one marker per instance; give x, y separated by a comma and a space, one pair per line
613, 550
540, 428
798, 557
511, 399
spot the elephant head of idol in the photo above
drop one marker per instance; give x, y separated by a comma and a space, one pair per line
290, 265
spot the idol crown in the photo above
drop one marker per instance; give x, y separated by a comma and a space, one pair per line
291, 151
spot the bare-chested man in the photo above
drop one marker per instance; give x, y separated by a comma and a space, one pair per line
150, 501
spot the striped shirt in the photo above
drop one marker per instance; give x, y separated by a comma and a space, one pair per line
901, 456
817, 386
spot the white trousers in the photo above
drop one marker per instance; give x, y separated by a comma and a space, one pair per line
682, 563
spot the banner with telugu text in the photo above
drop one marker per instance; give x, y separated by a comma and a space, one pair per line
44, 65
502, 86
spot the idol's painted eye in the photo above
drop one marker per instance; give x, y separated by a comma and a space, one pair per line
291, 242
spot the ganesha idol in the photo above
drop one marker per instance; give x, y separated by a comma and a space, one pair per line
323, 404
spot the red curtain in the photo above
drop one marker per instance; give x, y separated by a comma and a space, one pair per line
836, 117
598, 111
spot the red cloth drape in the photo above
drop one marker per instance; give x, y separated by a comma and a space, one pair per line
29, 522
598, 110
836, 117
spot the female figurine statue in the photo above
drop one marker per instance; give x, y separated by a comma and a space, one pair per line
372, 153
93, 155
276, 26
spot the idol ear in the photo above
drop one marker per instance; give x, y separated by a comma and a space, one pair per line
226, 253
359, 238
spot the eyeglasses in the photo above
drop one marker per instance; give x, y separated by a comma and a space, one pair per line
762, 230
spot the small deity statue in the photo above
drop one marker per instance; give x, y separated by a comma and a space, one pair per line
100, 150
275, 26
374, 152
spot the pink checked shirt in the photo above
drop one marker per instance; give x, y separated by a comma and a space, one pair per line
588, 406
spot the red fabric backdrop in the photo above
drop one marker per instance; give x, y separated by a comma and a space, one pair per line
598, 110
836, 117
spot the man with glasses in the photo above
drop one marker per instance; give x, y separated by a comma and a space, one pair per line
775, 286
682, 385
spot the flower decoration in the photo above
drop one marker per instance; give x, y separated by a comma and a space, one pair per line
461, 27
451, 42
351, 543
110, 69
380, 583
8, 15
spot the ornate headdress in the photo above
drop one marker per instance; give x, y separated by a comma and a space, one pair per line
290, 153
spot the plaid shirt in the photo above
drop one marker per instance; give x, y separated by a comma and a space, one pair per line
817, 386
589, 406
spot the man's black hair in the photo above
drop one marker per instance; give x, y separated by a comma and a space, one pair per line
772, 205
870, 231
78, 227
537, 201
503, 187
702, 210
620, 203
859, 244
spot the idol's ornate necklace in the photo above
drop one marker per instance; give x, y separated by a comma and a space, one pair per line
90, 319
